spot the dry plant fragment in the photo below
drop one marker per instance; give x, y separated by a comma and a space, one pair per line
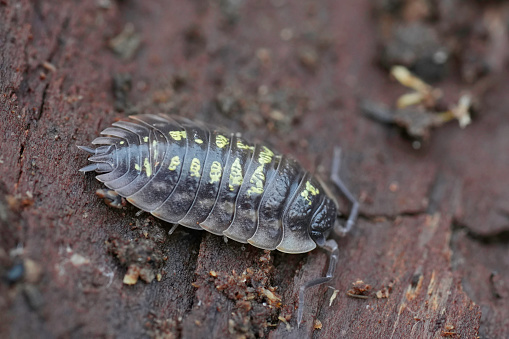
417, 112
424, 93
333, 296
461, 111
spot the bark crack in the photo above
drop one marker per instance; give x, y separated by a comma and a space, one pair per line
43, 101
391, 217
20, 164
497, 237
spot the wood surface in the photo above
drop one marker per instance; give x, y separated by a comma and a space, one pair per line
432, 236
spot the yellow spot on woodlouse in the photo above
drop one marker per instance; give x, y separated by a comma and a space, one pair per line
309, 191
258, 177
222, 141
236, 178
198, 141
258, 180
265, 156
122, 142
137, 167
195, 167
175, 161
145, 139
243, 146
215, 172
148, 167
178, 135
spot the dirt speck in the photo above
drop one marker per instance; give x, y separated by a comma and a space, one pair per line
257, 303
359, 290
161, 328
142, 256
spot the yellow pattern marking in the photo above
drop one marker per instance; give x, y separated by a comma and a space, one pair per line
222, 141
258, 180
309, 191
215, 172
178, 135
122, 142
175, 161
235, 174
258, 177
198, 141
195, 167
148, 167
137, 167
243, 146
145, 139
265, 156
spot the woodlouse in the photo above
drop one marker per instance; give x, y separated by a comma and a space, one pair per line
185, 173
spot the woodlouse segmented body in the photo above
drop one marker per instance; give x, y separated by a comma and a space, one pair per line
186, 173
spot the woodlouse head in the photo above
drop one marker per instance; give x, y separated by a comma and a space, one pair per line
323, 220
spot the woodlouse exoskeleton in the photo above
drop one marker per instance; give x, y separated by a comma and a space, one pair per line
185, 173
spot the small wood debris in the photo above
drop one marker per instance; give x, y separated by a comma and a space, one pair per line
449, 332
132, 275
394, 186
142, 256
359, 290
49, 66
283, 320
385, 291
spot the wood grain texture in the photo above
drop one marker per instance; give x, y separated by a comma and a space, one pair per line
431, 238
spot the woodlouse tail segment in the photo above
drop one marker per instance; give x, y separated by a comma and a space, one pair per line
102, 158
336, 164
332, 247
87, 149
97, 167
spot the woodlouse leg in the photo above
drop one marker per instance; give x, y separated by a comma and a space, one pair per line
173, 228
330, 246
336, 164
111, 198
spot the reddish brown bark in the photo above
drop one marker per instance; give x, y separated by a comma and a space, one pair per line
431, 238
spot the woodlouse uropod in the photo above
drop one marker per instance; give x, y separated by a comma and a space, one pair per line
187, 174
